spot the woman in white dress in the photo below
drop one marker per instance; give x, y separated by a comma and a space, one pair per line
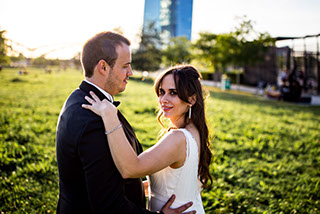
179, 163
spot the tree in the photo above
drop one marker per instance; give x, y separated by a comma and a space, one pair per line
241, 47
205, 49
3, 48
253, 45
177, 52
18, 58
148, 55
39, 61
217, 49
76, 60
118, 30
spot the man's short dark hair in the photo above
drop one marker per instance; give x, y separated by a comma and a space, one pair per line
102, 46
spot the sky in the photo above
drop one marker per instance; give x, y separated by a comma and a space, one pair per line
58, 28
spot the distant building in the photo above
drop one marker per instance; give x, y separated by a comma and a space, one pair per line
151, 16
172, 18
265, 72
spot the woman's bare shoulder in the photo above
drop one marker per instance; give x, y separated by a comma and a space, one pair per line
176, 136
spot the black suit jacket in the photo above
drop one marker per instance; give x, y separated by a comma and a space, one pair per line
89, 181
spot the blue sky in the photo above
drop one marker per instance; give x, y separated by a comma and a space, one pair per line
53, 24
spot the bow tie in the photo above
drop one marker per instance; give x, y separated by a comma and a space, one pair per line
116, 103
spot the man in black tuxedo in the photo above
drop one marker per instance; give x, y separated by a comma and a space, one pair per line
89, 181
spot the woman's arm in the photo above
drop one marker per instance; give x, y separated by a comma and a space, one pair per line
165, 153
169, 151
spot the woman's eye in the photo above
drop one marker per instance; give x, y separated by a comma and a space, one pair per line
173, 93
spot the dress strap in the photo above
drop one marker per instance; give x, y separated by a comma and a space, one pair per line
190, 142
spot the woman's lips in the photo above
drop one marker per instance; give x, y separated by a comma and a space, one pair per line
165, 108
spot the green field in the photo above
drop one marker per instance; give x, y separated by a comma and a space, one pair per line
266, 153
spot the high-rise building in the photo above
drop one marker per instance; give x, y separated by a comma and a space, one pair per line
152, 9
173, 18
176, 17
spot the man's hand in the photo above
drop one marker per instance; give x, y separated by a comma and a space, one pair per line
146, 187
167, 210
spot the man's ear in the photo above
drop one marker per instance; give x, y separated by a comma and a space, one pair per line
103, 67
193, 99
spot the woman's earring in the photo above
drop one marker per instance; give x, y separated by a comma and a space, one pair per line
190, 112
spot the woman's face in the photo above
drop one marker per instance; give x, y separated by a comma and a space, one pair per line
172, 106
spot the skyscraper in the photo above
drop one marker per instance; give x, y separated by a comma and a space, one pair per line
152, 9
172, 18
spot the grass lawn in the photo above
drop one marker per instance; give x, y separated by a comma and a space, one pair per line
266, 153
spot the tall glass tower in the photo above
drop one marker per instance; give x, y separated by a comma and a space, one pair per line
172, 18
152, 9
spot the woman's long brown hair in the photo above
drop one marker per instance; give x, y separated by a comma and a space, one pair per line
187, 82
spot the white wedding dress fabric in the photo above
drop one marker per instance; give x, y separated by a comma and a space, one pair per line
183, 181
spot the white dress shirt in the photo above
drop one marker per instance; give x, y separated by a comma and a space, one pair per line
102, 91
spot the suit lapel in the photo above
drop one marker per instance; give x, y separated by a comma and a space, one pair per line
86, 87
129, 133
